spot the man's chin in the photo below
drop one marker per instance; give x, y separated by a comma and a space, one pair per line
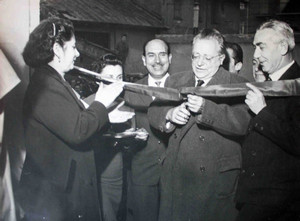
158, 74
264, 69
201, 74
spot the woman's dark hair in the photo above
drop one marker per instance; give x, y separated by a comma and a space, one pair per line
39, 48
107, 59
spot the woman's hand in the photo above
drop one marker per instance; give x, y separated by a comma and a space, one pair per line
142, 134
106, 95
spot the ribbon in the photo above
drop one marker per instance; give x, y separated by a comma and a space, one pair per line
280, 88
159, 92
164, 93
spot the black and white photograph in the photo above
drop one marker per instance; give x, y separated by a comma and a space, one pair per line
149, 110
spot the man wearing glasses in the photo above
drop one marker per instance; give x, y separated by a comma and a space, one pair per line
203, 158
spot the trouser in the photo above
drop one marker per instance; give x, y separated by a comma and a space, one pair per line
111, 188
143, 202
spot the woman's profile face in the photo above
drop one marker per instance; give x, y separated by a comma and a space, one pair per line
113, 71
69, 55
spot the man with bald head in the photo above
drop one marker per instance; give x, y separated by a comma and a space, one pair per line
146, 163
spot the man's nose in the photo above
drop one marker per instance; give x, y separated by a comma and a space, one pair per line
257, 53
157, 59
200, 60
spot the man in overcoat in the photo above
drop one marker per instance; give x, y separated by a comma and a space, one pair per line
269, 186
203, 158
146, 162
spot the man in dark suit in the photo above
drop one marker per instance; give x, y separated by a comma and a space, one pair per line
269, 185
202, 161
146, 162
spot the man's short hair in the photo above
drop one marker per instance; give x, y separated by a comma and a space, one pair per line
208, 33
284, 31
237, 50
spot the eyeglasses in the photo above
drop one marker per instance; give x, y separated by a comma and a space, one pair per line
207, 59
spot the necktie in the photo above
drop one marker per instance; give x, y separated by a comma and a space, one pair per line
268, 77
157, 83
199, 83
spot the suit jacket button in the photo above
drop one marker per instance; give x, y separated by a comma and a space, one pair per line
253, 153
253, 174
201, 138
261, 128
159, 160
202, 169
243, 171
175, 135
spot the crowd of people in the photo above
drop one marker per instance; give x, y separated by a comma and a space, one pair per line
119, 155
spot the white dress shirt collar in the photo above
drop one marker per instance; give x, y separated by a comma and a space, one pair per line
205, 81
151, 80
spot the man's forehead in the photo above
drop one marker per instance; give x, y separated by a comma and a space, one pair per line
156, 46
206, 46
264, 36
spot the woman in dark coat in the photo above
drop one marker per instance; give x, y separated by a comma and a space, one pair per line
58, 177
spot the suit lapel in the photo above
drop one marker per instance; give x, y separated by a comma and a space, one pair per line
292, 73
146, 99
216, 79
191, 80
70, 90
190, 83
53, 73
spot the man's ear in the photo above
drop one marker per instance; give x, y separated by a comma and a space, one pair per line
170, 58
222, 57
284, 47
238, 66
144, 60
